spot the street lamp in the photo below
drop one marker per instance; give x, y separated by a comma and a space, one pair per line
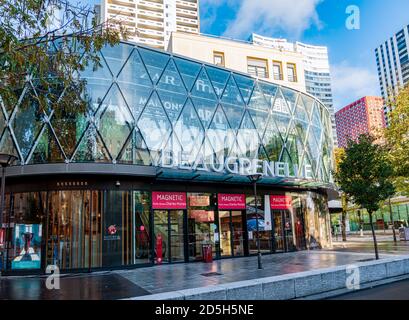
254, 178
5, 161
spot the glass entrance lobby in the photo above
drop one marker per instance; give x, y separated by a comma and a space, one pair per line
84, 230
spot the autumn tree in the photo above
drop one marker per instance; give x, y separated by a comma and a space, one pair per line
364, 174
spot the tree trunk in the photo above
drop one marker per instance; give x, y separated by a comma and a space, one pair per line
374, 236
344, 202
344, 229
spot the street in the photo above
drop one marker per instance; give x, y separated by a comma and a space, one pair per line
393, 291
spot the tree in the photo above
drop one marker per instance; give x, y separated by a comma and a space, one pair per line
364, 175
339, 154
397, 136
44, 44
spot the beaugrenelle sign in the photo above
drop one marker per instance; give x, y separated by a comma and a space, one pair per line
233, 165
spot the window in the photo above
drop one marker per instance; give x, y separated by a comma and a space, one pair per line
277, 70
257, 67
291, 72
218, 59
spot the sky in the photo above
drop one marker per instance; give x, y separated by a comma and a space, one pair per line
318, 22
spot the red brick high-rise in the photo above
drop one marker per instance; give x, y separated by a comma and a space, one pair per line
362, 116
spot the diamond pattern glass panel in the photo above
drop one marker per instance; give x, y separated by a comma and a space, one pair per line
141, 102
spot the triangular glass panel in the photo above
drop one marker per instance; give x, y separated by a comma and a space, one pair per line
10, 100
135, 151
115, 122
116, 56
260, 119
234, 115
282, 120
91, 148
219, 78
258, 101
232, 95
270, 91
313, 150
300, 113
286, 158
134, 73
97, 83
316, 119
272, 141
247, 137
295, 148
47, 149
205, 109
171, 147
189, 130
136, 97
316, 131
173, 103
203, 88
234, 150
7, 145
27, 123
70, 121
171, 80
154, 124
262, 154
308, 104
188, 70
219, 134
154, 61
245, 85
291, 97
299, 128
280, 105
308, 161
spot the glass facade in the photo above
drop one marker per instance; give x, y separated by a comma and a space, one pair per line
140, 104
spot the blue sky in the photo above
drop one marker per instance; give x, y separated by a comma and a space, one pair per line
320, 22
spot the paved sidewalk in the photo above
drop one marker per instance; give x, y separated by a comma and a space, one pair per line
165, 278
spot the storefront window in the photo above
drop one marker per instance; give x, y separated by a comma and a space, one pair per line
25, 230
202, 229
264, 225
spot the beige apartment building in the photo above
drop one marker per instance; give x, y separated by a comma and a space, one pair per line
151, 22
275, 65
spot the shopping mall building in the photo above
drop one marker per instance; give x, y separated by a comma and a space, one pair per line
157, 164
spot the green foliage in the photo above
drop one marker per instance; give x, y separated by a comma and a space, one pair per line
397, 135
43, 46
364, 173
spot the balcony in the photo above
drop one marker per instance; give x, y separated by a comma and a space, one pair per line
150, 14
118, 8
187, 21
150, 32
187, 29
119, 18
150, 23
186, 4
187, 13
152, 42
149, 4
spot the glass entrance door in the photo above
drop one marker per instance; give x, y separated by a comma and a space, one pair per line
168, 225
231, 233
279, 244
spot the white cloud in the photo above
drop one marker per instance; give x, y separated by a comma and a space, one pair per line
350, 83
265, 16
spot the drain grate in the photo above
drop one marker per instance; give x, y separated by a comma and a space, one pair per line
211, 274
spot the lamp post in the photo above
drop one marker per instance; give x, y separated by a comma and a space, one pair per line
5, 161
254, 178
